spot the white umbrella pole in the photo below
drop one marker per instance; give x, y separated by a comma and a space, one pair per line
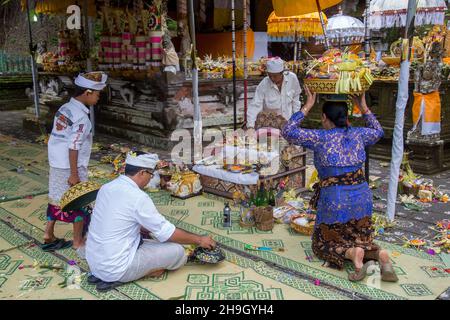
197, 110
402, 99
295, 46
88, 36
33, 67
324, 28
366, 29
233, 42
367, 51
245, 60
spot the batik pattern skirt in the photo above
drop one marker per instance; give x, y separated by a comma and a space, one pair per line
57, 187
331, 241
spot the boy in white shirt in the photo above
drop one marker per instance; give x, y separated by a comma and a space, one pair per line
69, 150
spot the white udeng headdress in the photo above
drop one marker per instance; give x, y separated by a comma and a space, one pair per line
275, 65
84, 80
147, 160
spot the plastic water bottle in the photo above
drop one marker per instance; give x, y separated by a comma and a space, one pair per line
226, 216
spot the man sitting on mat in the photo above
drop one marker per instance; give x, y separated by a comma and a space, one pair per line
115, 250
69, 150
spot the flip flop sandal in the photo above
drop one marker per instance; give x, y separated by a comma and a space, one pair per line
103, 286
58, 244
388, 273
91, 279
361, 274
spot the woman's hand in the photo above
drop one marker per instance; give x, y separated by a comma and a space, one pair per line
310, 100
360, 102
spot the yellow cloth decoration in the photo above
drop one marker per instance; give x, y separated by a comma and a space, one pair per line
446, 60
286, 8
307, 25
427, 106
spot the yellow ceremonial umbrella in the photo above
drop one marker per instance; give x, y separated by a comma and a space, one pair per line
306, 25
285, 8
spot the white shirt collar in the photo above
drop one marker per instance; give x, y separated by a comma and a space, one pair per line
273, 85
80, 105
129, 180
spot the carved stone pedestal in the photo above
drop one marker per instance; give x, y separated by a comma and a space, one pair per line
427, 156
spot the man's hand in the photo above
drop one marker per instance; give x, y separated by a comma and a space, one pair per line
206, 242
360, 102
73, 179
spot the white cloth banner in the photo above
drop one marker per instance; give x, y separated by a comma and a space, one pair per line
397, 141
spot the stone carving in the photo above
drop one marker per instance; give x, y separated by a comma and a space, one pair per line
427, 79
185, 47
128, 94
170, 58
225, 94
51, 86
428, 76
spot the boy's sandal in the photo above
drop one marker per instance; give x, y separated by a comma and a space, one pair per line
360, 274
388, 273
58, 244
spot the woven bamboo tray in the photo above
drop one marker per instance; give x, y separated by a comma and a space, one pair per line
306, 230
328, 86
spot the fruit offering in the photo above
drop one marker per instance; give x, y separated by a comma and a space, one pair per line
344, 72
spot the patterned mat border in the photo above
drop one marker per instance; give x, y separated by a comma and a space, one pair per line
329, 278
134, 291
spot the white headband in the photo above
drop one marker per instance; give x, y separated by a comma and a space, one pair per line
275, 65
83, 82
147, 160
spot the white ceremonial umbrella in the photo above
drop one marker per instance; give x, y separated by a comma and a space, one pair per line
344, 30
392, 13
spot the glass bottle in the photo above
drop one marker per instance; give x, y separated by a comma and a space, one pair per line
271, 194
226, 216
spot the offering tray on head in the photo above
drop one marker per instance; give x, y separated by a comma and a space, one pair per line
338, 72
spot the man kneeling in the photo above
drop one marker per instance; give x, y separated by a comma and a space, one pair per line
115, 251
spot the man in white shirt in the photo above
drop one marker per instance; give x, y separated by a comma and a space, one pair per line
69, 150
115, 251
279, 92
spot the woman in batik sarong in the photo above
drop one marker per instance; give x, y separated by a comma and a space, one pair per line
343, 200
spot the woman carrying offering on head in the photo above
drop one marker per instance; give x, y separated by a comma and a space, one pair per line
343, 200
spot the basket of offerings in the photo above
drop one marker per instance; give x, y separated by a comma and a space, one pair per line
391, 61
210, 68
338, 72
303, 223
